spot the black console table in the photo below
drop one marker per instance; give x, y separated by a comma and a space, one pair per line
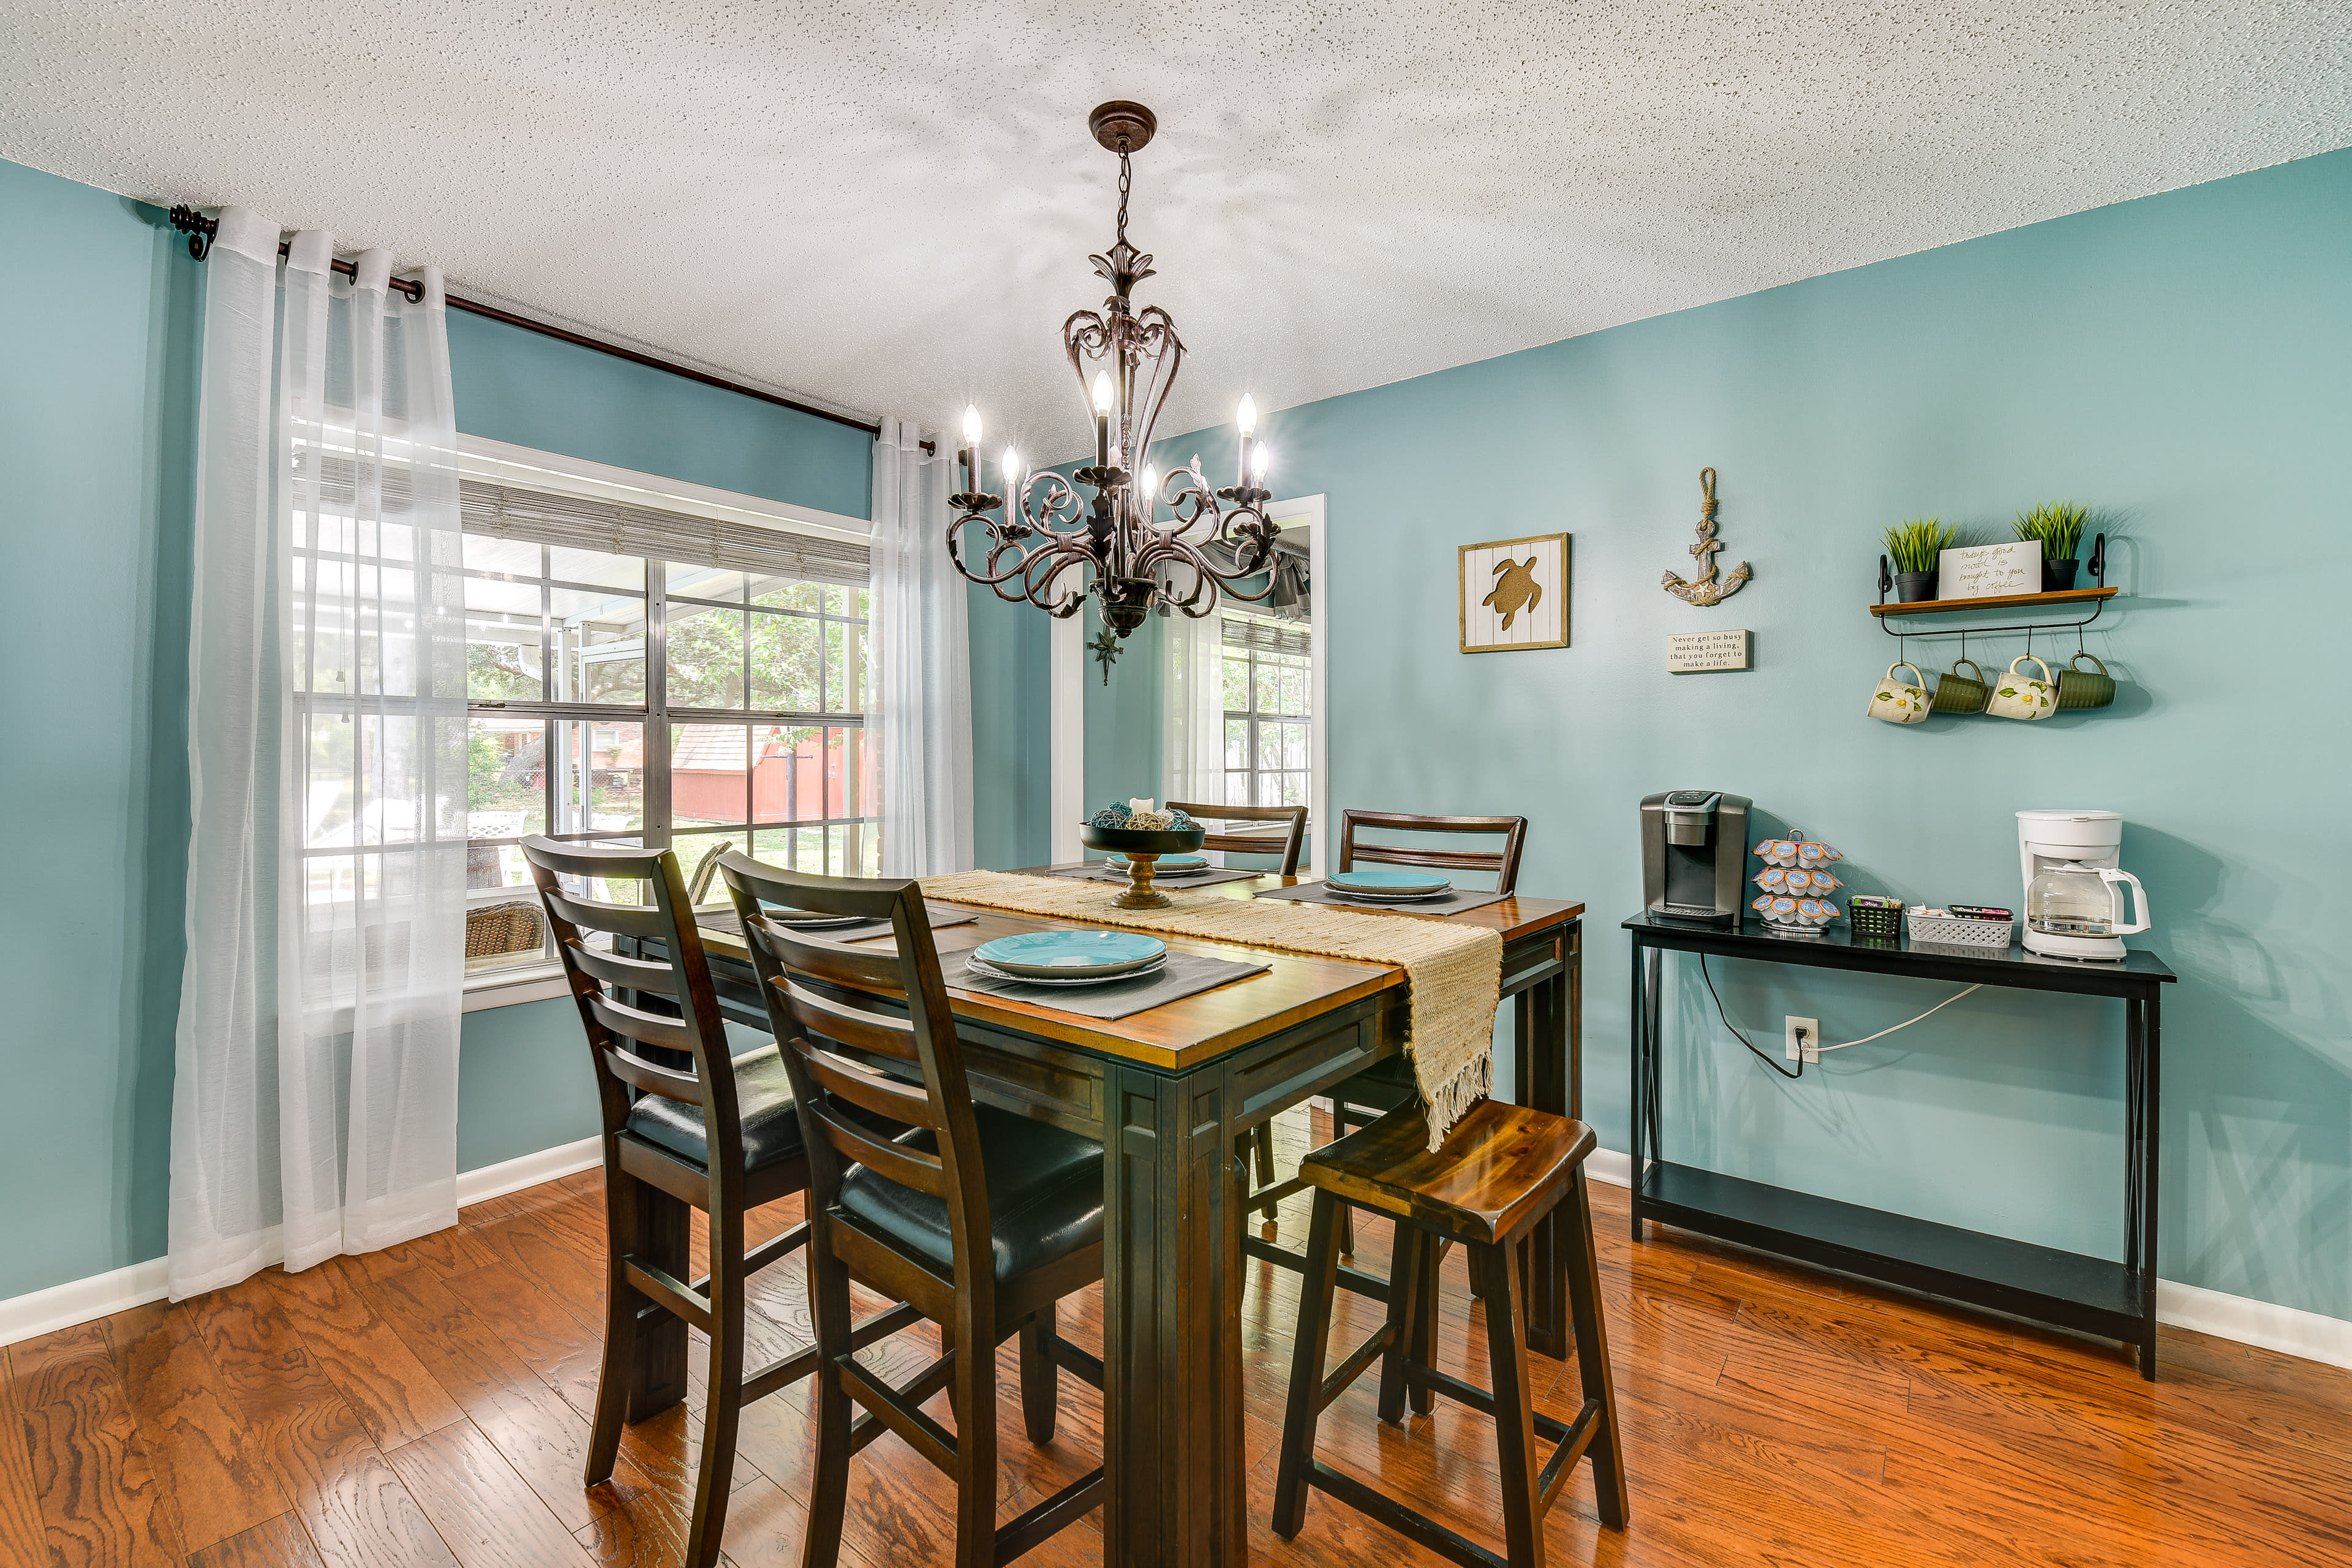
2066, 1289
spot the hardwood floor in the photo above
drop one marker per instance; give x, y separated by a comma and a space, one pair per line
429, 1406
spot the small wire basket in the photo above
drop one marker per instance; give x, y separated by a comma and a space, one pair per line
1955, 930
1874, 920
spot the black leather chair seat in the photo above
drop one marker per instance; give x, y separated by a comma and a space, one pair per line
764, 1093
1045, 1196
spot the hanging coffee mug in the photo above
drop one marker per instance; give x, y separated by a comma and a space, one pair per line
1958, 693
2018, 696
1897, 703
2079, 688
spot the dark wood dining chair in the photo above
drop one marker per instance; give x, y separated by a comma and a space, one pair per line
707, 1127
1389, 1084
1286, 845
1500, 1170
976, 1219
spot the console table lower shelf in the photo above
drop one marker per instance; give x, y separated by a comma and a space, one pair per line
2066, 1289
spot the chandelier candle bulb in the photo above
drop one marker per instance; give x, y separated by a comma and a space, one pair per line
1260, 460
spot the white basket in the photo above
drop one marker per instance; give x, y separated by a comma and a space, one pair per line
1951, 931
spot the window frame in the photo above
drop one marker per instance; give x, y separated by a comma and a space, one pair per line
518, 978
1246, 777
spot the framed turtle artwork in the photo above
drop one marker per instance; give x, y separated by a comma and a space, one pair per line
1515, 593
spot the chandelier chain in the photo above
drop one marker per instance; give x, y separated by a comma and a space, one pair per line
1122, 194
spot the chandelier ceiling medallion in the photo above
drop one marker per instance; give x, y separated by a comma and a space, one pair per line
1048, 545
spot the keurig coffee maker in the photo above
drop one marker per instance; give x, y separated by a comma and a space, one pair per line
1694, 855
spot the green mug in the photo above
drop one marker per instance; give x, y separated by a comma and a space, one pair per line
1956, 693
2080, 687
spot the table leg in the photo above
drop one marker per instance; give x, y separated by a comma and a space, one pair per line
664, 1238
1548, 1082
1638, 1057
1174, 1460
2151, 1142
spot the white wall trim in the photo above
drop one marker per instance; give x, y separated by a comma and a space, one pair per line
2264, 1324
536, 983
1065, 688
101, 1295
1323, 833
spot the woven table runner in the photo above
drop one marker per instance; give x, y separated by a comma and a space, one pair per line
1455, 971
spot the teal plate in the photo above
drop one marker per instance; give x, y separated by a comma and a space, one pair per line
1387, 882
1053, 954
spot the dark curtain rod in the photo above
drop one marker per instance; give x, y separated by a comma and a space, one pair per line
201, 229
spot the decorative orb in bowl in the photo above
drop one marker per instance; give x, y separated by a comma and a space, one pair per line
1144, 851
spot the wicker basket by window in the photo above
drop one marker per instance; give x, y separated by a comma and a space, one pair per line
495, 931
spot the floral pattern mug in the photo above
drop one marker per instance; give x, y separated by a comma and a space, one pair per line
1898, 703
2020, 696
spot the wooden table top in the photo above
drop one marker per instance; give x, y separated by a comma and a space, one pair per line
1192, 1030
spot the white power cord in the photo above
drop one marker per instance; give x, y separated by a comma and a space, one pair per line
1906, 1022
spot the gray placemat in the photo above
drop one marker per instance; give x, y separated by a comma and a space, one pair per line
1453, 903
1186, 975
941, 915
1101, 873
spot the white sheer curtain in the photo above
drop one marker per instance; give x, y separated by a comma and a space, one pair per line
922, 658
315, 1102
1192, 716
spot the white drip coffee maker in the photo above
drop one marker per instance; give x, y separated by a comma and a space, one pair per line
2073, 884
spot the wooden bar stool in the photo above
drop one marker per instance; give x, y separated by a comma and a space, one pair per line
653, 1026
977, 1219
1502, 1169
1388, 1084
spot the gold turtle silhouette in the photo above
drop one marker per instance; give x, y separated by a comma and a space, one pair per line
1517, 588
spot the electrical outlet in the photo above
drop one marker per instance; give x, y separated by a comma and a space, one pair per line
1810, 1047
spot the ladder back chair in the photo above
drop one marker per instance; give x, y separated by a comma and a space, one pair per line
1286, 846
1500, 1170
707, 1127
1389, 1084
975, 1219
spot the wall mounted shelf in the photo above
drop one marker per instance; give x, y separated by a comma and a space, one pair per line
2096, 598
1995, 601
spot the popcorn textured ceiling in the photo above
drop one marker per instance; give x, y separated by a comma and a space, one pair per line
887, 208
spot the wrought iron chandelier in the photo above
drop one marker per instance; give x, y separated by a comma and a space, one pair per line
1043, 542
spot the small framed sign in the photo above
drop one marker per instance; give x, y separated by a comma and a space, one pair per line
1515, 593
1694, 653
1982, 571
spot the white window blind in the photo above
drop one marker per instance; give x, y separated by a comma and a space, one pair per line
539, 517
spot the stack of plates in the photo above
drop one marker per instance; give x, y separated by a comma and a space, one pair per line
1387, 887
1167, 865
1068, 957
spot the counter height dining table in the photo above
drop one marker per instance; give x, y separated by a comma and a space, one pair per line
1168, 1092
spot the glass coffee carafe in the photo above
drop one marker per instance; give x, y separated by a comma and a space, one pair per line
2084, 905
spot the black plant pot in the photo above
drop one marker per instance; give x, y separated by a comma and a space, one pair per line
2058, 576
1910, 587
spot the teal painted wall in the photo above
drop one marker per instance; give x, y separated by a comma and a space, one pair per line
101, 309
2184, 361
535, 390
96, 425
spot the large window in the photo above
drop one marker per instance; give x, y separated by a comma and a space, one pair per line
1268, 711
639, 678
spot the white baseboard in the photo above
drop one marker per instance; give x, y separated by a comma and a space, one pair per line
79, 1300
2262, 1324
2287, 1330
513, 1175
101, 1295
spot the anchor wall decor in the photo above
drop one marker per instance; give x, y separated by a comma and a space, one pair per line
1708, 589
